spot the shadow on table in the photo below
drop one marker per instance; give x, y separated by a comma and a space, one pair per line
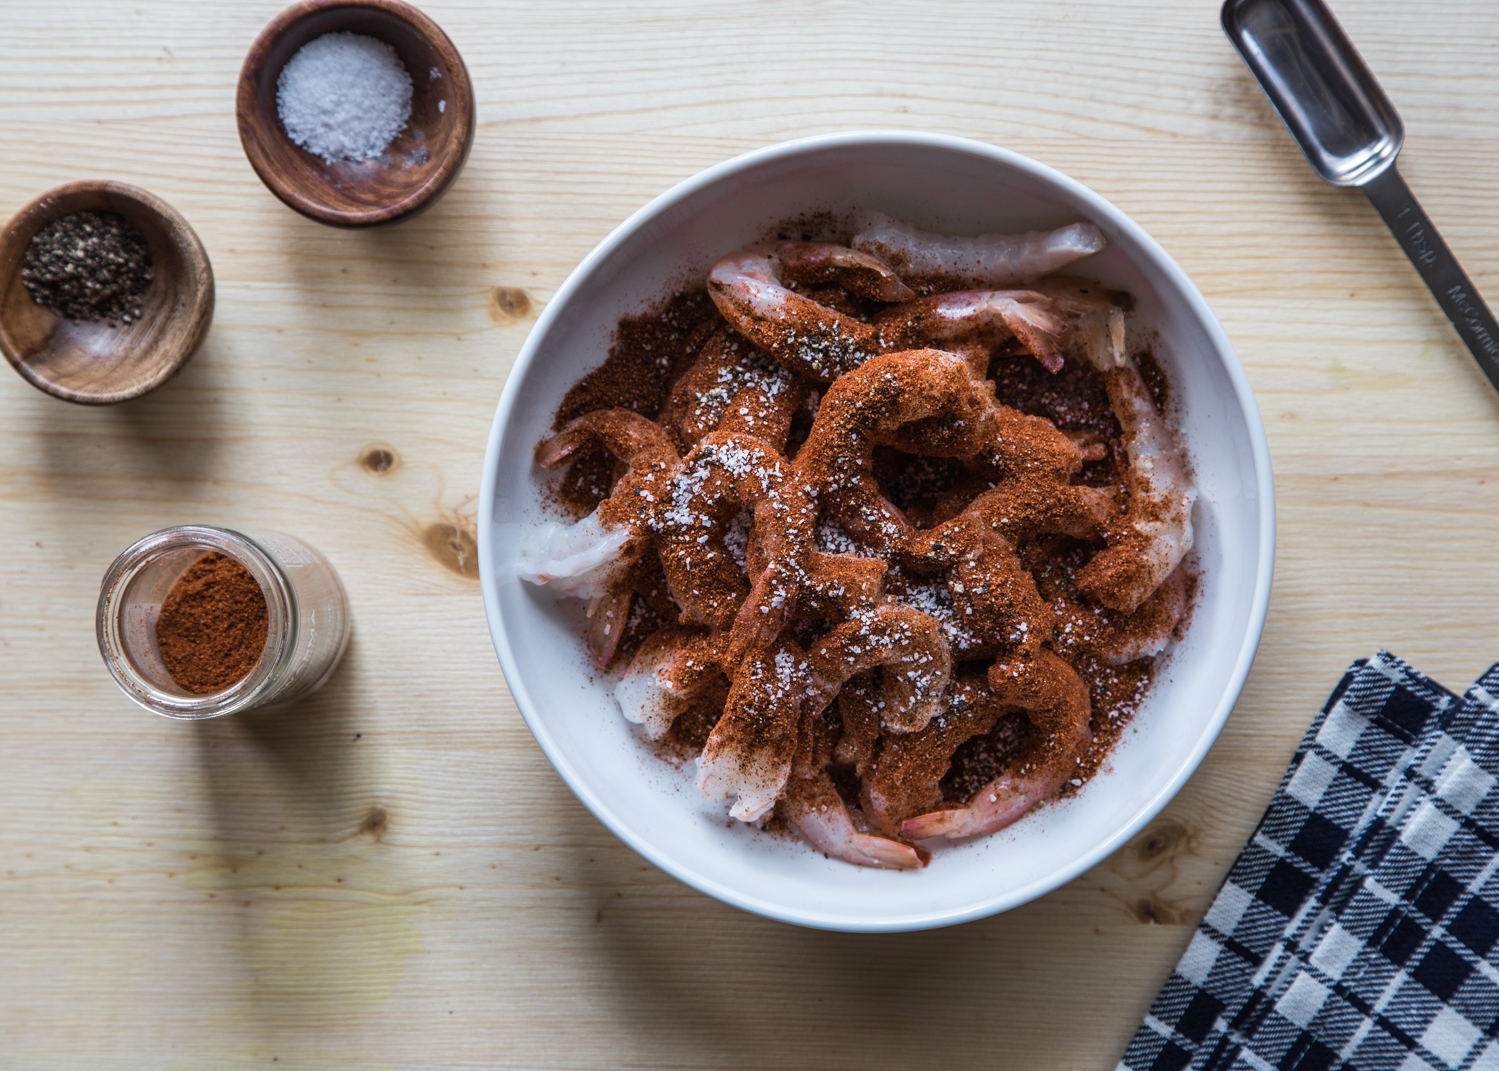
173, 434
324, 917
715, 987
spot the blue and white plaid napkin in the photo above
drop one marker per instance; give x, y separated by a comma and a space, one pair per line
1358, 928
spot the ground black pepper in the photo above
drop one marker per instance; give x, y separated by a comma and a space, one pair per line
89, 266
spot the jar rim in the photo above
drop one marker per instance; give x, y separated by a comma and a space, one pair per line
281, 621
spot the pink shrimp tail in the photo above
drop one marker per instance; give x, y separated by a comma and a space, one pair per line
998, 804
554, 451
606, 624
1038, 332
861, 849
820, 816
967, 821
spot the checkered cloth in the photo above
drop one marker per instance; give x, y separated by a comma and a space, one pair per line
1358, 927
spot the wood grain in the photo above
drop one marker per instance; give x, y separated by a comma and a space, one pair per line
226, 895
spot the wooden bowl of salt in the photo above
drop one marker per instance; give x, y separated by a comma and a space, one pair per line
355, 112
96, 359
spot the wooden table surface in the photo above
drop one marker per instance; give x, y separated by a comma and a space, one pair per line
391, 875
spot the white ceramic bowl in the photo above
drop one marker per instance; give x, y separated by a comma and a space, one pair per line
943, 184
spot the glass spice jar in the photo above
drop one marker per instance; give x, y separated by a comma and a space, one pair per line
307, 619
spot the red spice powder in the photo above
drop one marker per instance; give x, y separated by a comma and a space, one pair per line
648, 354
213, 624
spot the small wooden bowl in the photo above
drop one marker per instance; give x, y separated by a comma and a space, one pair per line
420, 163
93, 363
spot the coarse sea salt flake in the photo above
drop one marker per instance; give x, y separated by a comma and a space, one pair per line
344, 96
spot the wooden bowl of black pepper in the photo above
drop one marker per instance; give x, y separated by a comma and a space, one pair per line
105, 292
423, 154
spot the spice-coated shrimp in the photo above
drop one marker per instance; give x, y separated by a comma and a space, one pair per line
1055, 699
748, 755
1116, 638
924, 402
905, 779
826, 640
749, 288
974, 323
673, 666
641, 444
908, 647
732, 386
751, 749
1158, 530
823, 343
689, 516
589, 557
812, 803
991, 591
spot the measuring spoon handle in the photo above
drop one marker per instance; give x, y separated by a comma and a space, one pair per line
1446, 278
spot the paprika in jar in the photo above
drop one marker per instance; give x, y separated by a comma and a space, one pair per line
199, 621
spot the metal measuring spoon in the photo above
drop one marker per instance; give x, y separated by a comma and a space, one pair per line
1351, 134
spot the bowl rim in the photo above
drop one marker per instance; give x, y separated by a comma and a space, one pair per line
195, 260
1100, 210
250, 130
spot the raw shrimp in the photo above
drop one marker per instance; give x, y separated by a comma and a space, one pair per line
673, 666
819, 341
818, 813
859, 710
923, 402
748, 754
1021, 510
820, 637
974, 323
1055, 700
689, 517
1158, 529
933, 597
906, 643
587, 558
937, 261
840, 585
732, 386
830, 264
906, 777
791, 575
1117, 638
992, 592
749, 288
641, 444
584, 559
607, 617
